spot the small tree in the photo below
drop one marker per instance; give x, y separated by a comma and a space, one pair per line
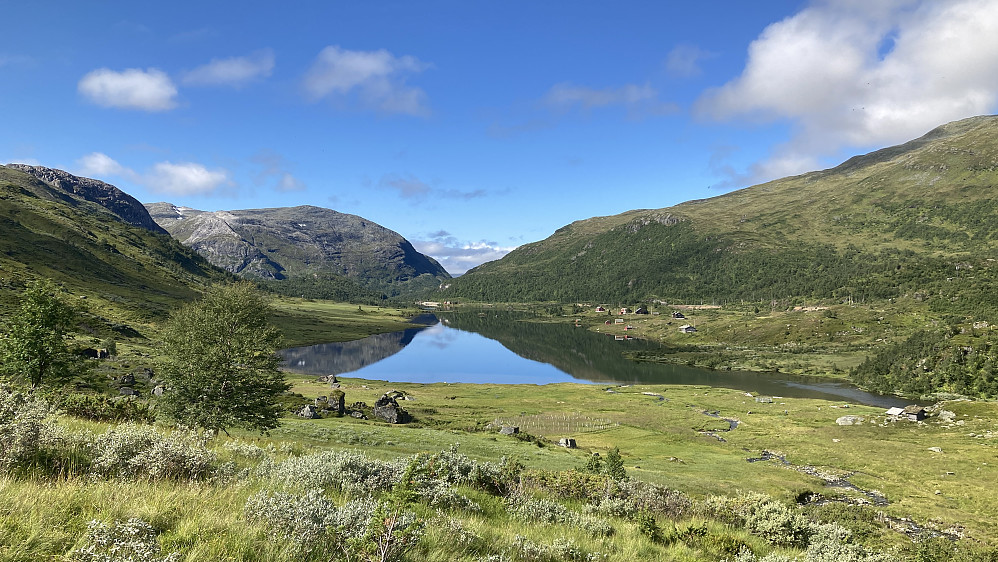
221, 368
33, 346
613, 466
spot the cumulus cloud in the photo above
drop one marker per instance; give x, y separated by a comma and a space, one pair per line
182, 178
854, 74
684, 60
133, 88
98, 164
185, 178
377, 79
234, 71
458, 256
638, 99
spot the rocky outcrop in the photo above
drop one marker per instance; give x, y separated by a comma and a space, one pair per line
123, 205
388, 409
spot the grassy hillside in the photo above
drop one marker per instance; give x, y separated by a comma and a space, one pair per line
129, 274
918, 218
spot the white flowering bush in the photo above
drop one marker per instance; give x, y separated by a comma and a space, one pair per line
22, 427
347, 471
140, 450
531, 510
559, 549
361, 529
247, 450
133, 540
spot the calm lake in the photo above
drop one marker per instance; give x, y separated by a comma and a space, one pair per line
500, 348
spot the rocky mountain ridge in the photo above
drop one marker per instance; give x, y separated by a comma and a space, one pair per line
126, 207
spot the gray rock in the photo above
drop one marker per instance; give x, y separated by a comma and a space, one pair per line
567, 442
158, 390
389, 410
127, 379
358, 415
309, 412
936, 449
509, 430
850, 420
127, 391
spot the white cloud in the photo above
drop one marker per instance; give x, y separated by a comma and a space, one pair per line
133, 88
684, 60
185, 178
642, 99
376, 78
182, 178
235, 71
98, 164
458, 256
290, 183
863, 74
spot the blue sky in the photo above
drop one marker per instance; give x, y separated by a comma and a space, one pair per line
473, 127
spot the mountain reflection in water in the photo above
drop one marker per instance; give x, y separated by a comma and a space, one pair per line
501, 348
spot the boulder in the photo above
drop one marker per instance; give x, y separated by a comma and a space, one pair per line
158, 390
509, 430
358, 415
309, 412
128, 379
389, 410
127, 391
850, 420
336, 402
567, 442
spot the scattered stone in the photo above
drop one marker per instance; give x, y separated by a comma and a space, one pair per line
337, 402
509, 430
936, 449
567, 442
389, 410
127, 391
358, 415
127, 379
938, 492
334, 385
309, 412
836, 440
850, 420
946, 416
321, 401
158, 390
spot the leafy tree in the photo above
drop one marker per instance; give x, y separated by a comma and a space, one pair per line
613, 466
33, 346
222, 363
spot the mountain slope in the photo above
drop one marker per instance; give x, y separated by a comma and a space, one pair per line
300, 245
125, 270
906, 219
121, 204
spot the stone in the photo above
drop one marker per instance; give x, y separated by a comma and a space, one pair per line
946, 416
358, 415
388, 409
128, 379
567, 442
158, 390
127, 391
309, 412
321, 401
850, 420
936, 449
336, 402
509, 430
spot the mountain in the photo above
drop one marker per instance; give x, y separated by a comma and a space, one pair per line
920, 219
303, 247
121, 204
56, 225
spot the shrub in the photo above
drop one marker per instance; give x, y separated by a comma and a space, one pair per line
123, 541
22, 427
304, 520
352, 473
140, 450
533, 510
102, 408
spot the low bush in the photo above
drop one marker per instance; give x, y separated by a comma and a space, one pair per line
133, 540
23, 427
140, 450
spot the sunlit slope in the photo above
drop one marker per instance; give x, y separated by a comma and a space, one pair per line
126, 270
897, 220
